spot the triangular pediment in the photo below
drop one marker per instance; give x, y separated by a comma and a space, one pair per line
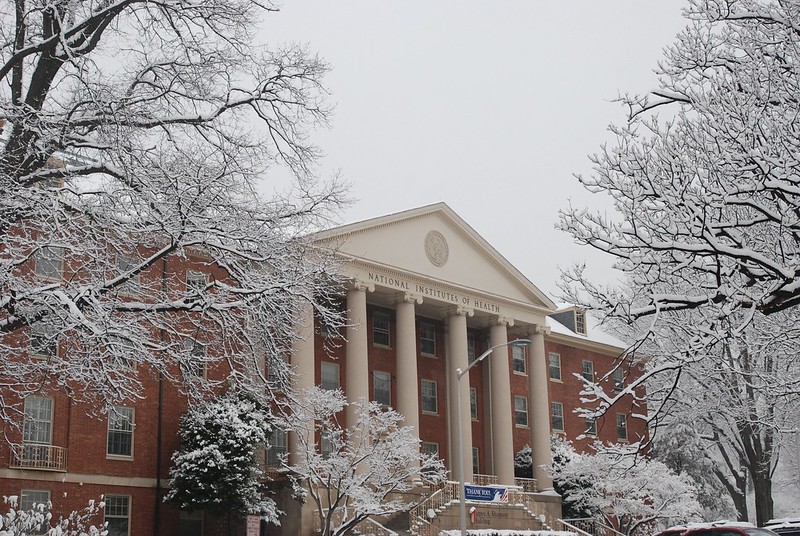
434, 243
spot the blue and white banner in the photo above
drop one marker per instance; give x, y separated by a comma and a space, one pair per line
485, 493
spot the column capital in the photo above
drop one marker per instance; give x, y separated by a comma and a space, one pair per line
407, 297
539, 329
502, 321
355, 284
459, 310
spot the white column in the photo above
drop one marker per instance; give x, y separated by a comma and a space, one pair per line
302, 361
540, 410
407, 379
356, 351
502, 411
461, 448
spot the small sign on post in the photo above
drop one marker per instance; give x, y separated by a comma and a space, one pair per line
253, 525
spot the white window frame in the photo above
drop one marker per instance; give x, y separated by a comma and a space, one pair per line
48, 263
423, 327
110, 514
519, 360
196, 281
587, 373
552, 367
198, 351
591, 427
26, 504
121, 424
473, 403
430, 447
379, 331
622, 426
520, 410
618, 376
557, 412
278, 446
43, 341
38, 420
125, 264
430, 396
471, 345
580, 322
385, 379
326, 383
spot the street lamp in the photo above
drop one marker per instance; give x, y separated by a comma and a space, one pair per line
459, 374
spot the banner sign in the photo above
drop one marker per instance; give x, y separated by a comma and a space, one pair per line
485, 493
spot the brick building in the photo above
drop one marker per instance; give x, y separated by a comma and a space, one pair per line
426, 296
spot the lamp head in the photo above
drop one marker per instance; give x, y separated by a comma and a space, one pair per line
520, 342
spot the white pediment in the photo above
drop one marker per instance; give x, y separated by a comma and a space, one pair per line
433, 243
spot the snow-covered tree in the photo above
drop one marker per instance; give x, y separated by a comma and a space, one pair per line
135, 137
706, 198
631, 491
354, 473
39, 520
703, 178
216, 469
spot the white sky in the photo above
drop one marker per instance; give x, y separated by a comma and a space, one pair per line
488, 106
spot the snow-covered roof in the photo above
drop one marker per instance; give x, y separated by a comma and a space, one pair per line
594, 332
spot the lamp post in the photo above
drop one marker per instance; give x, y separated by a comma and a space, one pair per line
459, 374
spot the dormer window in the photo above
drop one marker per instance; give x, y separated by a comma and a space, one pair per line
580, 322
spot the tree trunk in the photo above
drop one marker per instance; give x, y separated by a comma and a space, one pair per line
762, 485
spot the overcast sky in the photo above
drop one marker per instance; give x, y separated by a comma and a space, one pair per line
488, 106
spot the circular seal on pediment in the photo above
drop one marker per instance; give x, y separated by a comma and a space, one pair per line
436, 248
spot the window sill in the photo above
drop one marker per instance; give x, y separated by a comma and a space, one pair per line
556, 380
119, 457
518, 373
431, 413
423, 354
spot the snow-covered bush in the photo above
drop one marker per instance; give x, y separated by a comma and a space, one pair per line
39, 520
216, 469
631, 491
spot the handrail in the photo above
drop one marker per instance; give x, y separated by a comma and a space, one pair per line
594, 526
36, 456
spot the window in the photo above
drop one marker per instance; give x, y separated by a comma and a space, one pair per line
427, 338
43, 340
587, 371
473, 403
380, 329
37, 499
278, 446
196, 364
518, 359
382, 388
470, 348
325, 443
619, 379
430, 403
122, 352
196, 282
554, 366
120, 432
580, 322
190, 523
329, 376
125, 265
520, 411
431, 448
557, 416
38, 424
49, 262
476, 459
118, 515
622, 427
591, 427
277, 371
